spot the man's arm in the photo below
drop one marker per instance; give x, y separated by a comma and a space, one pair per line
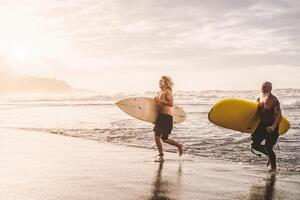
278, 115
168, 101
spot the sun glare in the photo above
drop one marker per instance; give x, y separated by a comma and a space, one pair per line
18, 35
19, 53
26, 39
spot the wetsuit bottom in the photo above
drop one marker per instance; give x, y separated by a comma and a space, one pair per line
261, 134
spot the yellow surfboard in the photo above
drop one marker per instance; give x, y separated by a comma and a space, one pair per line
240, 115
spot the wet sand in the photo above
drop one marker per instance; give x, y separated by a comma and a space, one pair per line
37, 165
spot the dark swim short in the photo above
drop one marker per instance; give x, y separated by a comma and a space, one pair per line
163, 126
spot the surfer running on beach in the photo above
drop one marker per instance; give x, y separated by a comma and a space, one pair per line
270, 117
164, 123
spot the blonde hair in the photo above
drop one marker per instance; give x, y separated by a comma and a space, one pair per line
168, 81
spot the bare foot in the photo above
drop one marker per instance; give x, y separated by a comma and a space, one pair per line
160, 158
180, 149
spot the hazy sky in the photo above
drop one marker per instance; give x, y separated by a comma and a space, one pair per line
126, 45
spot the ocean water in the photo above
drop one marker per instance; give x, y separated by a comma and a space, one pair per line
96, 117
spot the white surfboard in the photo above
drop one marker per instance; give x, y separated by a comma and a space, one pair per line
145, 109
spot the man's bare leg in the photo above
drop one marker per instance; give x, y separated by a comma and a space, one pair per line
173, 142
159, 145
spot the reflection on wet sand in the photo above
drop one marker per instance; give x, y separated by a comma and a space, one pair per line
266, 192
164, 189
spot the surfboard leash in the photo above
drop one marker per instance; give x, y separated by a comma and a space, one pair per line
257, 154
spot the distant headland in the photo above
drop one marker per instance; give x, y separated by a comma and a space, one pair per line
11, 83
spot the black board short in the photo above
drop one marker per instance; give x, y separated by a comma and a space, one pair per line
163, 126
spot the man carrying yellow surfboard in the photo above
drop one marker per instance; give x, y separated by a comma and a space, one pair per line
270, 117
164, 122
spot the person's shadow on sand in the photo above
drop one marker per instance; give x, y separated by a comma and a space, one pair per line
258, 192
164, 189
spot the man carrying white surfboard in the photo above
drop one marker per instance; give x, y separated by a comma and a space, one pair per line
270, 117
164, 123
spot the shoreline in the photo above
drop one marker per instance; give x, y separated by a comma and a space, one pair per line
258, 162
50, 166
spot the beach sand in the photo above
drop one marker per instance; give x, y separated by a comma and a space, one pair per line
37, 165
